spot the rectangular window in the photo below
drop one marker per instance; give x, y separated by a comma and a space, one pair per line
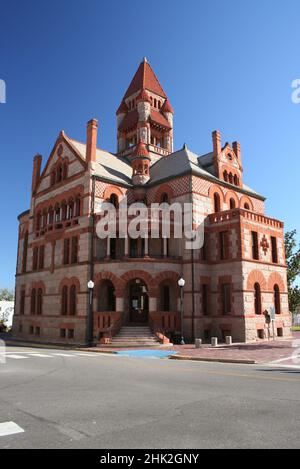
63, 333
207, 334
66, 256
166, 298
274, 249
224, 245
38, 331
31, 330
41, 257
20, 327
255, 251
22, 302
205, 299
226, 298
74, 257
35, 258
71, 334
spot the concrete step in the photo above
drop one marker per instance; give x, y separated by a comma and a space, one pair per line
134, 336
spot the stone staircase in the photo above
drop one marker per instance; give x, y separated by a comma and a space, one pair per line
134, 336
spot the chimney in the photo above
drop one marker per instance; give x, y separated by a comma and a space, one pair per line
216, 137
91, 140
36, 172
237, 150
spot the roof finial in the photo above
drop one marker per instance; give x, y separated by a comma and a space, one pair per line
145, 60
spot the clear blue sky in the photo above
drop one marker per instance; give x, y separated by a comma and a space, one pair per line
225, 65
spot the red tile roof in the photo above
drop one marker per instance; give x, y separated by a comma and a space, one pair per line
158, 118
145, 78
167, 107
129, 121
140, 150
122, 108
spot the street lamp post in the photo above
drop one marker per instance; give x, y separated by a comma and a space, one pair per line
90, 286
181, 283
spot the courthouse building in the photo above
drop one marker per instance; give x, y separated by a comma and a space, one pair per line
238, 274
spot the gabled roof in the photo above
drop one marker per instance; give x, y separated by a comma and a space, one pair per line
145, 79
108, 166
185, 161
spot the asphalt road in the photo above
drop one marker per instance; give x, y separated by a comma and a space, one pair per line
62, 399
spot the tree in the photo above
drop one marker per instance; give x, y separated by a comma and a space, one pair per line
292, 252
6, 295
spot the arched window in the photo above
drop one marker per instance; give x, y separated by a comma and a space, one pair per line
236, 180
73, 300
57, 213
246, 206
164, 198
64, 301
277, 299
217, 203
225, 176
64, 211
230, 178
71, 208
33, 301
232, 204
257, 298
114, 200
78, 207
38, 221
39, 306
51, 215
155, 103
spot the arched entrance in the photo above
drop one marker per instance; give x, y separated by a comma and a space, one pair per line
138, 302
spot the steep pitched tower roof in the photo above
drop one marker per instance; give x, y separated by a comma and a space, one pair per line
145, 114
145, 79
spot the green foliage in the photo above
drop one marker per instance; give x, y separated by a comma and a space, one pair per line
6, 295
292, 252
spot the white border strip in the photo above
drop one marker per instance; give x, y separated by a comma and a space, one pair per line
10, 428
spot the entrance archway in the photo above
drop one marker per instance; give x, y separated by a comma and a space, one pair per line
138, 302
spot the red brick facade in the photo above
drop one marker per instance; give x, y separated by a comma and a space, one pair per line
238, 275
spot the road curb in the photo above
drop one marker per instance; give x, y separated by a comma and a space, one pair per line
89, 350
214, 360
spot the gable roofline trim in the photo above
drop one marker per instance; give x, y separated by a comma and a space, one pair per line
62, 137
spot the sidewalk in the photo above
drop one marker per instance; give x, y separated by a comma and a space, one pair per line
260, 352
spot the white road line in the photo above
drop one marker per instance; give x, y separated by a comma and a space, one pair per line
10, 428
290, 367
40, 355
86, 354
63, 355
285, 359
16, 357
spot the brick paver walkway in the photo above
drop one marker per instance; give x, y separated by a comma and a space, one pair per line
260, 352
